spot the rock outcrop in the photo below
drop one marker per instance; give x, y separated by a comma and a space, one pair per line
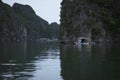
95, 20
11, 27
53, 30
20, 22
36, 26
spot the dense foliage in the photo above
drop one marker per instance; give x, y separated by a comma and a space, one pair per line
97, 16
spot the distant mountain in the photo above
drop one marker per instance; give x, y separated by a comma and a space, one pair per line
53, 30
20, 22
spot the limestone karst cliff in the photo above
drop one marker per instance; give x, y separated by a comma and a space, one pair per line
20, 22
95, 20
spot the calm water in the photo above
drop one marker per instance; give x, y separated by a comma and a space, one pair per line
52, 61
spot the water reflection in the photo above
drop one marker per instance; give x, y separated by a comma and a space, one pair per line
74, 61
51, 61
13, 50
21, 60
13, 62
96, 62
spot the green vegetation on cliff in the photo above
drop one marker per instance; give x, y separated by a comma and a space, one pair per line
97, 20
20, 22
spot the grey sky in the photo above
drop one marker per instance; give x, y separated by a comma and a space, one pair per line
46, 9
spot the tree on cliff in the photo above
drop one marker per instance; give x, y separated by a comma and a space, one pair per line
90, 18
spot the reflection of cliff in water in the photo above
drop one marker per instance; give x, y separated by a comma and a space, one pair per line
74, 61
24, 51
17, 59
88, 63
13, 61
13, 50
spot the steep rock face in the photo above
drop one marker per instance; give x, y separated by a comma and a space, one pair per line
91, 19
10, 26
53, 30
36, 26
20, 22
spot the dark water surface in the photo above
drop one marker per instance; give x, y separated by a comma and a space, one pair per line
53, 61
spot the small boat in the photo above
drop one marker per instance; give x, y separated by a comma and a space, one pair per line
87, 43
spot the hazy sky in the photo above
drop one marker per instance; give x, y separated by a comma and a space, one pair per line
46, 9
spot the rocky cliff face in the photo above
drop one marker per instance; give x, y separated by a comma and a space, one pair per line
10, 25
53, 30
94, 20
20, 22
36, 26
